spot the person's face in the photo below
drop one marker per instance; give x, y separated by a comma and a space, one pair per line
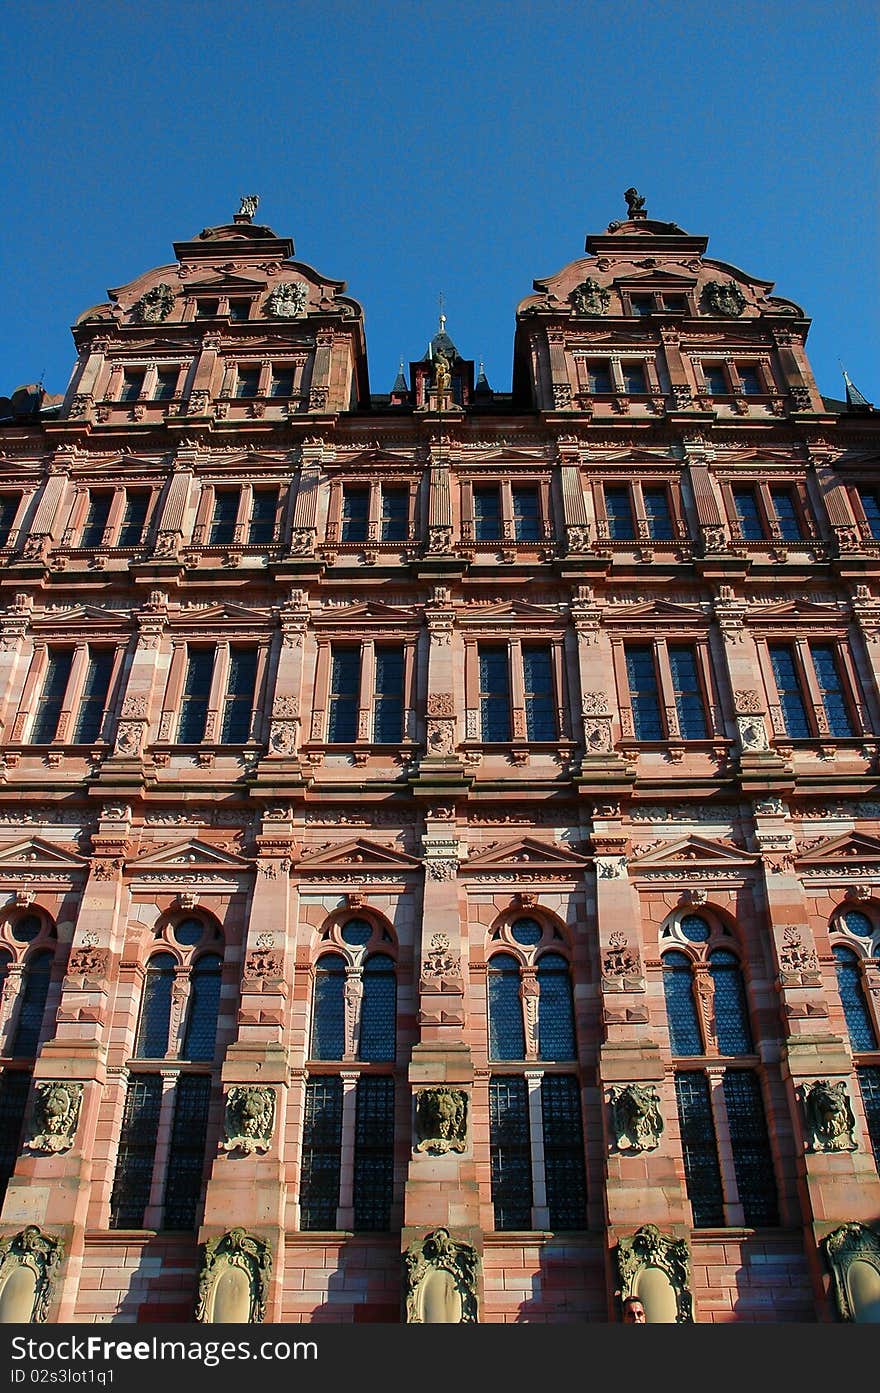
634, 1313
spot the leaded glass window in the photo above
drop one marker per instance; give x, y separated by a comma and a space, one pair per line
356, 933
791, 701
487, 513
238, 704
641, 677
32, 1005
862, 1035
751, 524
152, 1040
134, 519
716, 380
688, 693
186, 1151
539, 695
136, 1153
166, 384
52, 696
345, 678
681, 1009
826, 665
750, 1144
634, 379
857, 923
870, 502
618, 507
527, 932
506, 1029
378, 1009
96, 685
328, 1017
599, 376
373, 1154
695, 928
494, 694
355, 514
388, 699
321, 1154
247, 382
869, 1083
196, 695
14, 1086
26, 928
731, 1012
555, 1008
264, 509
526, 513
700, 1149
204, 1005
225, 515
188, 932
510, 1153
787, 520
96, 519
395, 514
563, 1151
658, 514
9, 504
749, 377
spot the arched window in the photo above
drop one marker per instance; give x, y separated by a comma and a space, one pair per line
856, 923
328, 1018
555, 1008
204, 1004
32, 1004
378, 1009
862, 1035
731, 1013
152, 1040
506, 1030
681, 1009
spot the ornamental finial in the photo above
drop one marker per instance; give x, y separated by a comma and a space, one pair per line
249, 202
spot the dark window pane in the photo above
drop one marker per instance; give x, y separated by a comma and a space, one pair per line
506, 1029
207, 309
204, 1005
634, 379
827, 669
25, 930
355, 514
869, 1083
688, 694
239, 309
618, 506
378, 1010
870, 502
373, 1154
526, 514
388, 700
716, 380
152, 1040
248, 382
132, 386
328, 1015
787, 519
642, 304
281, 384
658, 514
700, 1150
14, 1085
539, 695
94, 696
31, 1005
494, 694
395, 514
223, 517
264, 509
52, 697
752, 1157
8, 509
555, 1009
137, 1152
195, 697
96, 519
510, 1153
131, 531
599, 376
166, 384
345, 677
487, 514
731, 1012
676, 304
751, 382
563, 1152
189, 932
238, 704
642, 679
794, 713
186, 1153
855, 1007
751, 524
681, 1010
322, 1148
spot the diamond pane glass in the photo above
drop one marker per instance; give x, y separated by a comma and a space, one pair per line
825, 663
688, 695
378, 1010
322, 1148
681, 1010
855, 1007
204, 1005
791, 700
869, 1083
731, 1011
528, 932
188, 932
618, 506
539, 698
31, 1005
555, 1009
494, 694
14, 1085
152, 1040
373, 1154
137, 1152
510, 1153
752, 1157
695, 928
700, 1150
186, 1152
328, 1020
506, 1029
858, 923
563, 1152
642, 680
356, 933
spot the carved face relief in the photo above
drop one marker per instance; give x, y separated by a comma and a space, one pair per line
635, 1112
56, 1115
441, 1120
249, 1120
829, 1116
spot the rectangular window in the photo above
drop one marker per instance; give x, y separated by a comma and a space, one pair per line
642, 305
751, 524
539, 695
134, 519
132, 386
618, 506
8, 510
52, 696
752, 1157
494, 694
238, 704
239, 310
373, 1154
749, 376
788, 687
388, 701
510, 1153
395, 514
196, 695
599, 376
207, 309
281, 384
641, 676
321, 1153
136, 1153
826, 664
94, 696
675, 304
264, 511
716, 380
487, 513
247, 382
95, 524
14, 1088
658, 513
186, 1152
166, 384
870, 502
787, 519
526, 514
688, 693
223, 518
345, 678
869, 1084
634, 379
563, 1151
700, 1150
355, 514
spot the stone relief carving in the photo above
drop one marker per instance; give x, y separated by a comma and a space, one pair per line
590, 298
829, 1116
234, 1280
648, 1251
635, 1116
130, 737
441, 1120
282, 737
793, 956
155, 305
439, 961
249, 1119
441, 1279
441, 704
87, 961
747, 703
28, 1266
287, 301
725, 298
853, 1255
441, 869
55, 1116
752, 734
262, 965
441, 737
619, 960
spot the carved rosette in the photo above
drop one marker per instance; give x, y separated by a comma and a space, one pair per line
637, 1124
235, 1252
249, 1119
35, 1252
649, 1248
55, 1116
454, 1300
829, 1116
851, 1243
441, 1120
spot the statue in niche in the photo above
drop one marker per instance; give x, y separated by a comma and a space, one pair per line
829, 1116
249, 1119
56, 1116
441, 1120
234, 1280
635, 1113
725, 298
853, 1255
442, 373
28, 1267
590, 298
656, 1268
441, 1279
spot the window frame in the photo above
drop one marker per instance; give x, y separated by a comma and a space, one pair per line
506, 485
660, 645
800, 648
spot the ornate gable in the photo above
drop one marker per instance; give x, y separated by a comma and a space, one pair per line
693, 851
360, 854
530, 854
192, 854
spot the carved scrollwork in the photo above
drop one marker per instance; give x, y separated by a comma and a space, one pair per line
590, 298
249, 1119
55, 1117
87, 961
829, 1116
246, 1262
441, 704
39, 1255
649, 1249
441, 1280
441, 1120
155, 305
635, 1116
287, 301
262, 965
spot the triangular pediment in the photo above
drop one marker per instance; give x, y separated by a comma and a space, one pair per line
662, 609
851, 846
527, 853
215, 614
795, 609
653, 276
190, 855
34, 853
512, 609
361, 854
689, 851
370, 609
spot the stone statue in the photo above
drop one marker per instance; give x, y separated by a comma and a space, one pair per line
249, 205
441, 1278
829, 1116
635, 204
249, 1119
442, 372
56, 1115
635, 1114
441, 1120
154, 305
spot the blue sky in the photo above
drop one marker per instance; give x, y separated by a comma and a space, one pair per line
413, 149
